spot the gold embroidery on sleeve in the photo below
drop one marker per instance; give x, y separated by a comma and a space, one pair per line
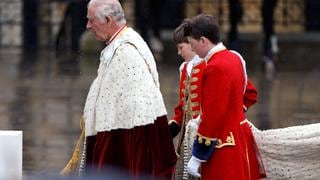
207, 140
229, 141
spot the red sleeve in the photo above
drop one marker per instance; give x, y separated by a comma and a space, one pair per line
216, 91
178, 110
178, 113
250, 95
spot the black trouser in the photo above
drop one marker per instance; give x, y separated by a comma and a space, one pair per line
147, 16
235, 16
267, 10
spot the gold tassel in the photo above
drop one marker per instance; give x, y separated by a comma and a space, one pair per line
73, 162
208, 142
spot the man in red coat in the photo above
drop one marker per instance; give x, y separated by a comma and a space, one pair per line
219, 147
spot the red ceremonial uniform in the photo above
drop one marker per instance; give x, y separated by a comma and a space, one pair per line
222, 106
189, 86
188, 108
250, 95
253, 162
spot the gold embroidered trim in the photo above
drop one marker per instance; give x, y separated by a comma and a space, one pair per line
186, 108
193, 87
194, 95
195, 104
185, 83
206, 140
194, 71
194, 79
229, 141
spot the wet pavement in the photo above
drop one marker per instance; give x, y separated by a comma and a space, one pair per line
44, 95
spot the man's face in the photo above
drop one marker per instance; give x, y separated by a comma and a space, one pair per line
96, 26
198, 46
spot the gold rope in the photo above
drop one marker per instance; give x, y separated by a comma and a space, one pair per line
73, 162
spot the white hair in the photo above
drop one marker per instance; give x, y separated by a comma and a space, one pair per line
111, 8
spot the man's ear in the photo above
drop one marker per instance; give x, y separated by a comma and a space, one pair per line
203, 39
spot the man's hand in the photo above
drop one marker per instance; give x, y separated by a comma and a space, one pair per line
193, 166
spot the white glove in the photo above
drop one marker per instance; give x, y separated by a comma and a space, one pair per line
193, 166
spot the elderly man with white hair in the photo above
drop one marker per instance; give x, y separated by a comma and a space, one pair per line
125, 117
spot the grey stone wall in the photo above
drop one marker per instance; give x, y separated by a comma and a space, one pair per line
10, 22
289, 17
289, 14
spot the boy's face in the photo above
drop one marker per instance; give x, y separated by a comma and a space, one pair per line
198, 46
185, 51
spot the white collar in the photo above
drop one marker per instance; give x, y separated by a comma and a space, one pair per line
215, 49
194, 61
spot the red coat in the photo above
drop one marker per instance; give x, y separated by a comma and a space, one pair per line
253, 162
250, 95
194, 85
222, 107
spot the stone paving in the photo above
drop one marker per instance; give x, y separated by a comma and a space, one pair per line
44, 95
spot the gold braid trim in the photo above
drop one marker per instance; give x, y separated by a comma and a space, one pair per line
194, 79
228, 142
194, 71
207, 140
74, 161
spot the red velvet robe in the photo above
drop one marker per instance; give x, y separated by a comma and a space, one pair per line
144, 152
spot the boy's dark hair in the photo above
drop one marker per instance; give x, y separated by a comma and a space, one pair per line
203, 25
178, 34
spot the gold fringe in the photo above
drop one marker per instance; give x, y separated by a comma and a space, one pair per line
72, 165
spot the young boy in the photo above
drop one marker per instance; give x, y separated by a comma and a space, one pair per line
187, 111
224, 146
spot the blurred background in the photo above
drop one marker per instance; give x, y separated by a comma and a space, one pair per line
48, 61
